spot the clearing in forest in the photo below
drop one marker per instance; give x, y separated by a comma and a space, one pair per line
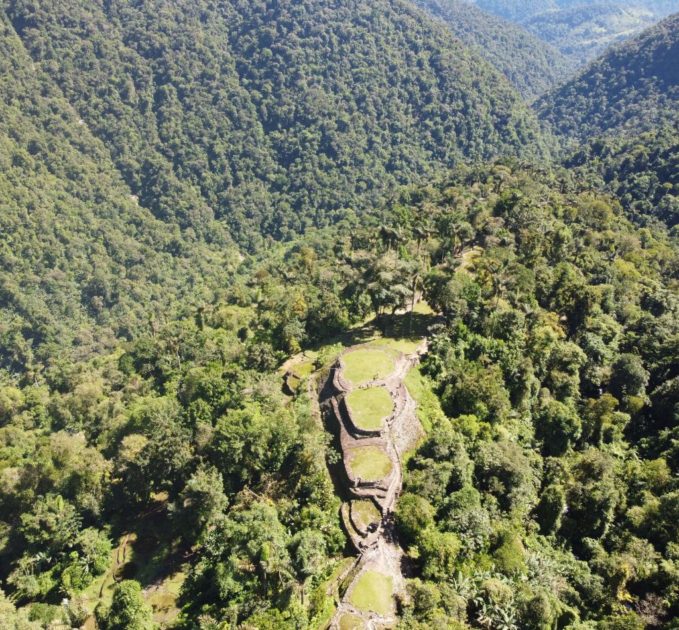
369, 463
368, 403
373, 592
370, 407
365, 365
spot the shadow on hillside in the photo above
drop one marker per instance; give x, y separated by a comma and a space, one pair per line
400, 326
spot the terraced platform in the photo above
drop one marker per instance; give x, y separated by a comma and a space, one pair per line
374, 416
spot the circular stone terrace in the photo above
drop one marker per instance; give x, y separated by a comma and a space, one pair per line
370, 407
366, 365
377, 423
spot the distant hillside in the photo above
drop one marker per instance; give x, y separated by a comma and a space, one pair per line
582, 33
81, 262
273, 116
530, 65
516, 10
634, 87
582, 30
522, 10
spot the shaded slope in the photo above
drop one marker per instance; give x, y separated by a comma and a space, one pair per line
633, 87
528, 63
272, 117
80, 260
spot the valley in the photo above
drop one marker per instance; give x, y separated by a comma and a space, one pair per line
339, 315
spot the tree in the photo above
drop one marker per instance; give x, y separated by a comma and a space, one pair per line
128, 610
628, 377
245, 562
388, 282
413, 515
550, 509
626, 621
558, 426
52, 526
251, 441
473, 388
509, 554
310, 552
201, 503
504, 471
592, 495
438, 553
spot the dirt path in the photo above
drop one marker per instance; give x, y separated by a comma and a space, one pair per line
369, 590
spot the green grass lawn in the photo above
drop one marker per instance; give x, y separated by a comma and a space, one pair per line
422, 308
406, 345
363, 513
370, 407
351, 622
374, 592
370, 463
364, 365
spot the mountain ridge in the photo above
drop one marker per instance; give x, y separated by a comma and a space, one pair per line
254, 132
634, 86
530, 64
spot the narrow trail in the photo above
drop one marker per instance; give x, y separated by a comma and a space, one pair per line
372, 479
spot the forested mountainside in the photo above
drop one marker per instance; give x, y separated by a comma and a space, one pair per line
528, 63
619, 120
201, 214
171, 482
642, 171
633, 87
81, 262
276, 116
582, 30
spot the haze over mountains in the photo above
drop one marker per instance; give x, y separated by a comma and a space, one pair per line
206, 204
581, 30
634, 86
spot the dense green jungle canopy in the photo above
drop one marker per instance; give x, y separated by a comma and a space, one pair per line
202, 204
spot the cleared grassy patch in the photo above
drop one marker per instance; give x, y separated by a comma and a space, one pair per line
351, 622
304, 369
367, 364
369, 407
422, 308
374, 592
370, 463
405, 345
163, 598
364, 514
